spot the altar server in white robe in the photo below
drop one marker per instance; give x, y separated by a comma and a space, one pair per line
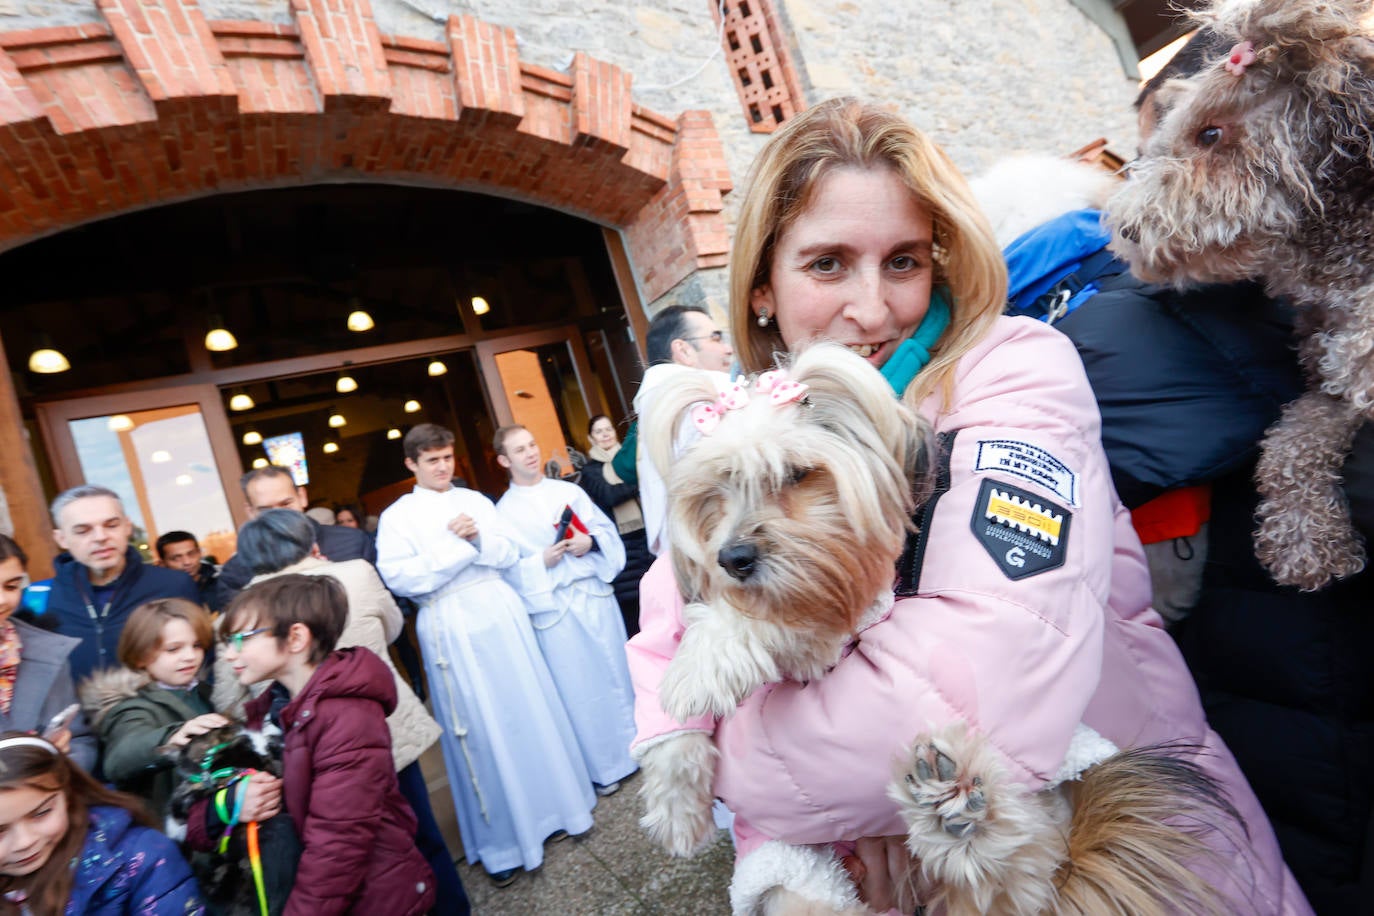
513, 762
567, 585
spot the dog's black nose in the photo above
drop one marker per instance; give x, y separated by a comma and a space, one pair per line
738, 559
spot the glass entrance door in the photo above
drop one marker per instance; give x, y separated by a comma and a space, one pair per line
168, 454
544, 381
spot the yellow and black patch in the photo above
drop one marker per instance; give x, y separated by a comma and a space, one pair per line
1024, 534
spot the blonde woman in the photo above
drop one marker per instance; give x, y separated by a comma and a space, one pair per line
856, 228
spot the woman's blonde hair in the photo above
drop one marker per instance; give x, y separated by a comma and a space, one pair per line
848, 133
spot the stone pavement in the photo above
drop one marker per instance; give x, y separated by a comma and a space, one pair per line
612, 870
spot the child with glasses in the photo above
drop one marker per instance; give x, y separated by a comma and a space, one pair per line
338, 781
159, 699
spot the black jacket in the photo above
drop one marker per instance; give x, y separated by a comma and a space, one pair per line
336, 542
638, 559
1187, 383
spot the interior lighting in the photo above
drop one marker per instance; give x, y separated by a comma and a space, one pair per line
359, 321
259, 462
219, 339
480, 306
336, 419
161, 456
120, 423
331, 447
437, 367
346, 384
252, 437
412, 407
45, 359
393, 433
240, 400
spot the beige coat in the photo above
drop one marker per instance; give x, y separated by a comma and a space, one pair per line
374, 622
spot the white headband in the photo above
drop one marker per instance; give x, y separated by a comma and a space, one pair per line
27, 741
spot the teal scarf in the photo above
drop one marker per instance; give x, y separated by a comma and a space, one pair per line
913, 353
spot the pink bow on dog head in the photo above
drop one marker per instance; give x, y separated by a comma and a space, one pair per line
1242, 56
776, 384
779, 388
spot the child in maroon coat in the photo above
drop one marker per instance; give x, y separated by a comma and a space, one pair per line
338, 782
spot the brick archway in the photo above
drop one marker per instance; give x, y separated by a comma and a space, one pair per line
159, 104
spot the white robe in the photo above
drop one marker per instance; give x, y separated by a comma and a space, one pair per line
577, 620
513, 763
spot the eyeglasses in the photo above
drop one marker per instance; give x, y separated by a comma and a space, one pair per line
235, 640
717, 336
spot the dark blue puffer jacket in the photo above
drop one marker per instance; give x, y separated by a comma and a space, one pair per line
72, 594
128, 870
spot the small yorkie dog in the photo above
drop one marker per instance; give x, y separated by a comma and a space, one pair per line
786, 520
213, 761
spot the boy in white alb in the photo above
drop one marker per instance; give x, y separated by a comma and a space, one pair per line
513, 763
566, 582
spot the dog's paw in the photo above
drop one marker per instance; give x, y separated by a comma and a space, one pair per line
1303, 549
940, 780
723, 657
676, 789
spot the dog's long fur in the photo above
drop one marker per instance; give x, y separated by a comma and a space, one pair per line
1270, 174
821, 490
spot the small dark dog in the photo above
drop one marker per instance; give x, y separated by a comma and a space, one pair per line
1262, 166
208, 763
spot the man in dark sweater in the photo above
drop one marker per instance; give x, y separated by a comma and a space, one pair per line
273, 487
101, 578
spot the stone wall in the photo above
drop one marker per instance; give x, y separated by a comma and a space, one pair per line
985, 77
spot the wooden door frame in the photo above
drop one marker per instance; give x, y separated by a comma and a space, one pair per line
54, 416
570, 334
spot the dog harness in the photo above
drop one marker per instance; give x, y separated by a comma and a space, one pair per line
231, 819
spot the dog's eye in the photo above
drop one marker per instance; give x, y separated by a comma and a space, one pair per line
1209, 136
797, 475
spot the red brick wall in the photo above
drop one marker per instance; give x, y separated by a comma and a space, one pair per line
159, 105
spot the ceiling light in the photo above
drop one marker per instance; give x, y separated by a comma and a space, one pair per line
161, 456
45, 360
393, 433
252, 437
184, 480
336, 419
240, 400
346, 384
331, 447
412, 407
120, 423
219, 339
437, 367
259, 462
480, 306
359, 320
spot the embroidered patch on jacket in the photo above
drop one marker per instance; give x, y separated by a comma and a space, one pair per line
1024, 534
1030, 462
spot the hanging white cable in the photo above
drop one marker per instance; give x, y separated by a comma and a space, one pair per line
720, 45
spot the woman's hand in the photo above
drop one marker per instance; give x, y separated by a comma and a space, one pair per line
263, 800
197, 726
882, 869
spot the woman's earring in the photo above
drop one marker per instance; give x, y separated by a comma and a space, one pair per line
763, 318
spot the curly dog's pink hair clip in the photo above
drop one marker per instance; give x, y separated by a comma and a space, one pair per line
775, 384
1242, 56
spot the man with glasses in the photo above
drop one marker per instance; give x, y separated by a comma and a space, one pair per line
680, 336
